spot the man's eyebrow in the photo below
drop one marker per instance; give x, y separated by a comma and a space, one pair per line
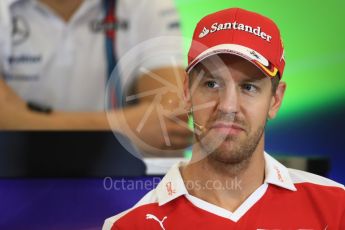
211, 75
202, 73
254, 78
247, 79
215, 75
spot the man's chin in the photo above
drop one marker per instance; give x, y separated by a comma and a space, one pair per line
226, 157
230, 151
216, 142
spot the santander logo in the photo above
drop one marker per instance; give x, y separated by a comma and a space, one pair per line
215, 27
204, 32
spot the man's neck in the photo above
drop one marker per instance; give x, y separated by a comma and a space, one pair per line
222, 184
63, 8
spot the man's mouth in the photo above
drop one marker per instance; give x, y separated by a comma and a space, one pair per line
227, 128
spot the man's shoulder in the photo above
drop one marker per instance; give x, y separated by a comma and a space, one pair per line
155, 204
150, 199
318, 187
299, 177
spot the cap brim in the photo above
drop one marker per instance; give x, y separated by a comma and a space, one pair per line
247, 53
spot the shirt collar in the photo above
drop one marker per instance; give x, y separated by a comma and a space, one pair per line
277, 174
172, 185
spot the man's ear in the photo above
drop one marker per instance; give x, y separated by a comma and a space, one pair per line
186, 93
277, 100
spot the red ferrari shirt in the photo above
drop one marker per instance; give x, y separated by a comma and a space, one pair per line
288, 199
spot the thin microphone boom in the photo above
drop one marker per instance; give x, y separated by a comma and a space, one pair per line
199, 126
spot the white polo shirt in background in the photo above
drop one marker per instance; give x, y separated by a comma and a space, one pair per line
64, 65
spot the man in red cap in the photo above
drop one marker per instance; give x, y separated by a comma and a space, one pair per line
235, 64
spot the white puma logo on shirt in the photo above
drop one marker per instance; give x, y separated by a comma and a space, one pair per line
150, 216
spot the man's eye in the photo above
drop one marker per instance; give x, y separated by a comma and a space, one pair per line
211, 84
249, 87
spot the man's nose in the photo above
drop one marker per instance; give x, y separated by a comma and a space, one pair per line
229, 100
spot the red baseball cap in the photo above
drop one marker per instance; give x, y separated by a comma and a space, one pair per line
239, 32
